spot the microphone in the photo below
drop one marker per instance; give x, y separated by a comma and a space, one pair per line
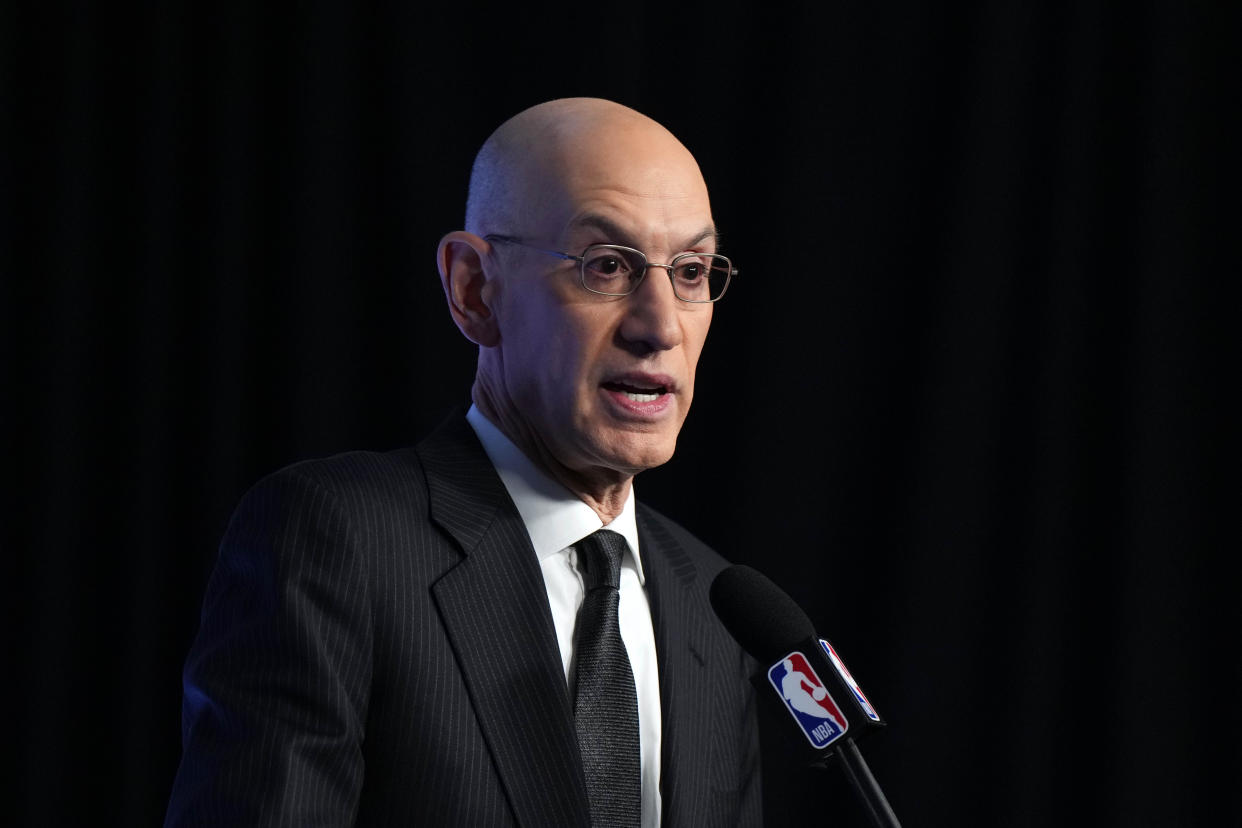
803, 674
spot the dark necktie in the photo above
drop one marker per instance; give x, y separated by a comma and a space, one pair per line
605, 704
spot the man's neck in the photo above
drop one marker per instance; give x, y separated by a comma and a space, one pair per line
604, 490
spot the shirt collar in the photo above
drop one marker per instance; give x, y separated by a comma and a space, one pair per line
555, 518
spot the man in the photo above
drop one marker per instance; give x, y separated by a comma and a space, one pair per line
397, 638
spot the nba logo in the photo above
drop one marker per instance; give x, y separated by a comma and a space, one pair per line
807, 700
849, 679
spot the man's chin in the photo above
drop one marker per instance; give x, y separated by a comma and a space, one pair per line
631, 454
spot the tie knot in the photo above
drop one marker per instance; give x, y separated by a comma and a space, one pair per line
599, 559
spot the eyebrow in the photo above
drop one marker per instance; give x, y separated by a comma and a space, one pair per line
618, 235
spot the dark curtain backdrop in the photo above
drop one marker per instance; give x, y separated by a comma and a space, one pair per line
970, 403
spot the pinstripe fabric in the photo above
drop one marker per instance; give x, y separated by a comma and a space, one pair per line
376, 649
710, 763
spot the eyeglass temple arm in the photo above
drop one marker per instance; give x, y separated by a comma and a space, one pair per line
496, 237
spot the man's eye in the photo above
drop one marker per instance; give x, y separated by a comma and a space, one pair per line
607, 265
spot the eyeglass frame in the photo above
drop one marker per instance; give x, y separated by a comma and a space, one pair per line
581, 260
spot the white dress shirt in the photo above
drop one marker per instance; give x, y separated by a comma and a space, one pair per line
556, 519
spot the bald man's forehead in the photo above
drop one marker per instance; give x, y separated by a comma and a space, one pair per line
635, 208
597, 228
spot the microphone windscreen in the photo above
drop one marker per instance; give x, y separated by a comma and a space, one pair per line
758, 613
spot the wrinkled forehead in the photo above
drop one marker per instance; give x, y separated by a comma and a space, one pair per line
634, 174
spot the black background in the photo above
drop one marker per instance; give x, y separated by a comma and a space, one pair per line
969, 403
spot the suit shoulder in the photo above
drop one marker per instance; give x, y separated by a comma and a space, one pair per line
365, 476
353, 488
706, 560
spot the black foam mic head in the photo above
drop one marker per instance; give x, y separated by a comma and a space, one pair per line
758, 613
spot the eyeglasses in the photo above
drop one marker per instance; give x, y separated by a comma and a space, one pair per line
616, 270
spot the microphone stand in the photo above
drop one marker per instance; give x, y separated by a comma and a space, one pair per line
865, 786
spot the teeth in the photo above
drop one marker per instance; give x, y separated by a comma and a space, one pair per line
642, 397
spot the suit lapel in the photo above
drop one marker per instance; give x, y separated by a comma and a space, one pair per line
495, 609
681, 652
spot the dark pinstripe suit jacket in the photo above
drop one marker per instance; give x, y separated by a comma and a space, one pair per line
376, 648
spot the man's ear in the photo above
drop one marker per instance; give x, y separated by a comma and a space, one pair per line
460, 259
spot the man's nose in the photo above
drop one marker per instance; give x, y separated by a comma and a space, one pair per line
653, 314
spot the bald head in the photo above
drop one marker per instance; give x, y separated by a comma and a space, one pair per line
533, 162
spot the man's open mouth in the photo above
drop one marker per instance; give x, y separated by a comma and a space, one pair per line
637, 393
